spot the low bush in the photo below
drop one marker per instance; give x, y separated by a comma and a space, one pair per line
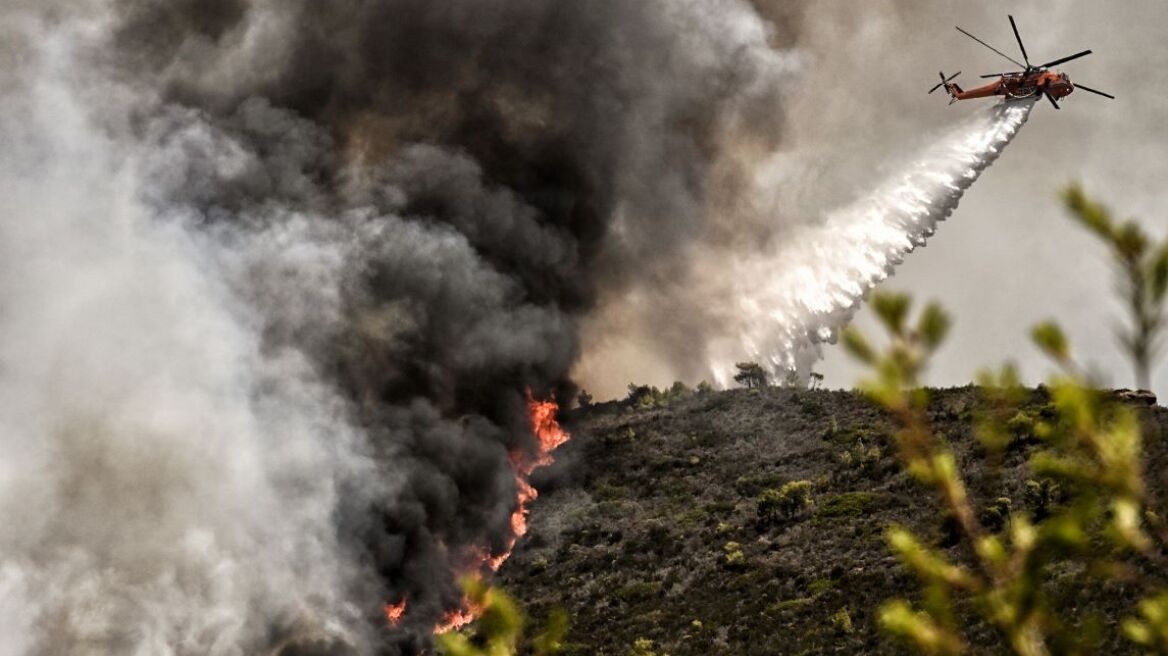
1042, 497
638, 591
841, 621
784, 503
733, 557
752, 484
996, 515
847, 504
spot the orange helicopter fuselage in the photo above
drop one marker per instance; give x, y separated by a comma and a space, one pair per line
1019, 85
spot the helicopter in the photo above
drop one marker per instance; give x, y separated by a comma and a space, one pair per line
1029, 82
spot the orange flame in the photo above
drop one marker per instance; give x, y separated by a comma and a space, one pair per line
395, 612
547, 429
549, 437
458, 618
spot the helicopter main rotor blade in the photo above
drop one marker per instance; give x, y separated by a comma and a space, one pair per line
1066, 59
1096, 91
1019, 37
1015, 61
996, 75
1051, 99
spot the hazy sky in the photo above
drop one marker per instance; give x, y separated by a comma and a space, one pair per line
1009, 257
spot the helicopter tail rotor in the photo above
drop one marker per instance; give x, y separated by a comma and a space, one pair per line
944, 81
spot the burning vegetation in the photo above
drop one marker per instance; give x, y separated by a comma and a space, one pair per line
549, 436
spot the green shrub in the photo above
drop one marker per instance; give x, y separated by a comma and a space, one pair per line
1021, 425
789, 604
733, 556
819, 586
841, 621
768, 506
784, 503
619, 437
810, 407
638, 591
996, 514
832, 430
1025, 428
751, 375
639, 395
646, 396
847, 504
752, 484
693, 517
644, 647
1042, 497
861, 457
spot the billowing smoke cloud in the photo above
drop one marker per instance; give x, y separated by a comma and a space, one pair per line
787, 302
277, 274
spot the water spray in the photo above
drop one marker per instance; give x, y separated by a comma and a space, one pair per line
797, 296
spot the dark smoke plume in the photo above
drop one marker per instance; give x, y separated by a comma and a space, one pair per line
412, 204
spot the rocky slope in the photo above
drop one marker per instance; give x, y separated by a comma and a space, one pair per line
636, 526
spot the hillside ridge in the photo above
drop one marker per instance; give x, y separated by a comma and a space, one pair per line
649, 526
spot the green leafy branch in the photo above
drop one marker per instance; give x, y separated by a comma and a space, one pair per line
498, 631
1092, 446
1142, 269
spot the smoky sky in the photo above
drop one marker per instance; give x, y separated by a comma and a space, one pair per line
612, 129
1009, 257
306, 259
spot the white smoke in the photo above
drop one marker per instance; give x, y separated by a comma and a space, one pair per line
249, 394
796, 296
166, 487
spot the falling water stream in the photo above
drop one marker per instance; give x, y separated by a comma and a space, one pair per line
797, 296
